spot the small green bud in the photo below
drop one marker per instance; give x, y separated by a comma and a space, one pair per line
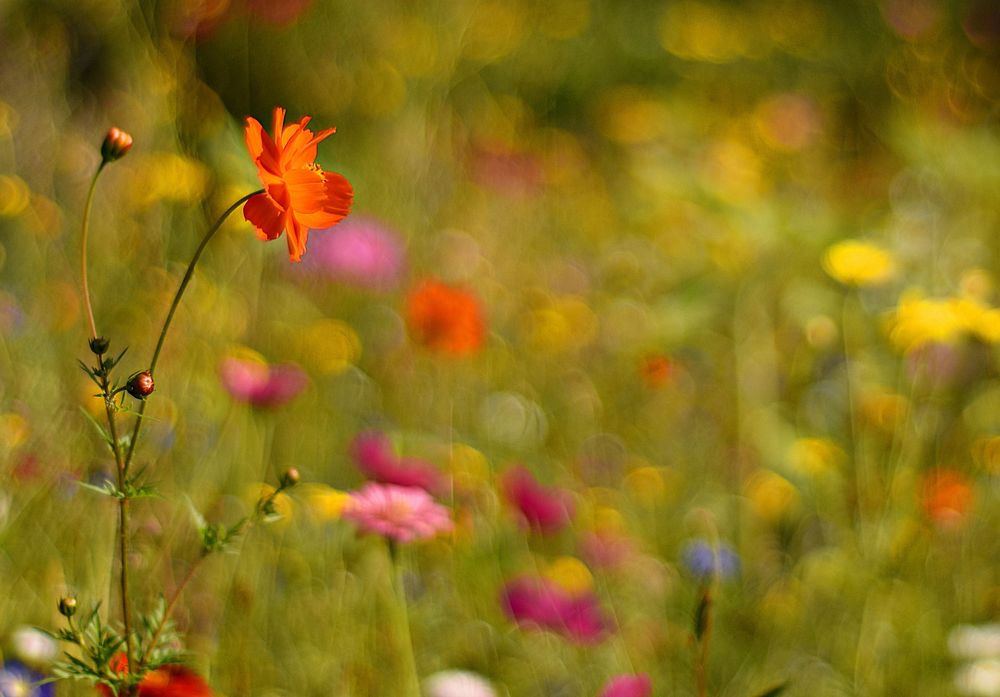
67, 606
99, 345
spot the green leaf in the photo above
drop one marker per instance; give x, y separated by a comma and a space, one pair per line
100, 429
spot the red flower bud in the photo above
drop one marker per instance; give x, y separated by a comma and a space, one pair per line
140, 385
116, 144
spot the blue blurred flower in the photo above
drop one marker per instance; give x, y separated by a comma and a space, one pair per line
704, 562
17, 680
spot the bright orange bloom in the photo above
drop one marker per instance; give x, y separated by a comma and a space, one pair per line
298, 194
947, 496
445, 318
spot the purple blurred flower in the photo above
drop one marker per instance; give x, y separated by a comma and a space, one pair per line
545, 509
628, 686
704, 562
361, 252
17, 680
372, 451
540, 602
262, 385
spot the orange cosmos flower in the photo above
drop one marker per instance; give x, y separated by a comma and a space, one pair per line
298, 194
445, 318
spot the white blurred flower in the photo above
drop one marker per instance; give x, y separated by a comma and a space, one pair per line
457, 683
975, 641
980, 678
33, 646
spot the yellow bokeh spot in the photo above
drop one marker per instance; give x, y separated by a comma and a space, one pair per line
647, 484
858, 263
412, 44
714, 33
815, 456
570, 574
628, 115
14, 196
821, 331
169, 177
330, 346
381, 90
468, 466
495, 29
607, 519
13, 430
771, 496
563, 19
733, 170
918, 321
324, 502
283, 506
884, 410
986, 454
565, 323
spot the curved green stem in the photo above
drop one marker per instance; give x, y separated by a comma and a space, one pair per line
83, 251
173, 308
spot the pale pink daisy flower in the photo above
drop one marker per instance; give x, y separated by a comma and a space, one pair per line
400, 513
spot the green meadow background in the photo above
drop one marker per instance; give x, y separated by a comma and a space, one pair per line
618, 183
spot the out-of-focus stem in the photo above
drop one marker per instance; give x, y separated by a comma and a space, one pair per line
409, 661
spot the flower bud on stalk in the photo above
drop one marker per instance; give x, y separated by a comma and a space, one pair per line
99, 345
67, 606
290, 478
140, 385
116, 144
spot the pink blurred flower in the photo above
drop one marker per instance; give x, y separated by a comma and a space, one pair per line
628, 686
372, 451
400, 513
606, 550
540, 602
262, 385
544, 509
361, 252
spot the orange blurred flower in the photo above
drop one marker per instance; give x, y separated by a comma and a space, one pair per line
947, 496
298, 194
165, 681
656, 370
444, 318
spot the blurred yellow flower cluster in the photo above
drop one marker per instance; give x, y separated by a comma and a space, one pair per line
918, 321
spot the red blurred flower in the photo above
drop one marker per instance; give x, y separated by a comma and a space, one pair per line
656, 370
947, 496
165, 681
444, 318
298, 194
541, 603
373, 453
544, 509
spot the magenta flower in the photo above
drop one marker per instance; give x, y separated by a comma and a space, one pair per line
262, 385
399, 513
628, 686
544, 509
372, 451
361, 252
541, 603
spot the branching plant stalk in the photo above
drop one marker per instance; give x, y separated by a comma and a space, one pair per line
137, 428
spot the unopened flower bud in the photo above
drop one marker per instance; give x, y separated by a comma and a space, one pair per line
140, 385
116, 144
290, 478
67, 606
99, 345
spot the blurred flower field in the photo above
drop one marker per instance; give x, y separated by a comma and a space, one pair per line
656, 356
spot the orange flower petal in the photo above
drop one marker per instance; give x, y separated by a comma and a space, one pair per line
266, 215
262, 149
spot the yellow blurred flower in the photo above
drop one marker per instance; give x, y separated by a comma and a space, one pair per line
647, 484
858, 263
283, 505
815, 456
919, 320
171, 177
468, 466
564, 323
324, 502
570, 574
884, 410
771, 496
330, 346
14, 430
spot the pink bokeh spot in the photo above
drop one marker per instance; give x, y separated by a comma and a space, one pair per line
539, 602
361, 252
628, 686
373, 453
260, 384
545, 509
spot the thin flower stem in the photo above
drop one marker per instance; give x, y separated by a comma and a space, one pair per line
169, 609
83, 251
170, 315
409, 661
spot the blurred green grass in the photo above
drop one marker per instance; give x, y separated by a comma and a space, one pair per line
614, 181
